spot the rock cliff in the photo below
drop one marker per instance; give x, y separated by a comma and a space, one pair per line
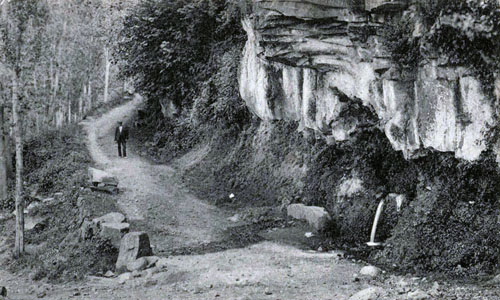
310, 61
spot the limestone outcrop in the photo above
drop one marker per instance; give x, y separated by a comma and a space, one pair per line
311, 61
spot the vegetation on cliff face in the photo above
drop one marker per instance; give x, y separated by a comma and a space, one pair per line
459, 33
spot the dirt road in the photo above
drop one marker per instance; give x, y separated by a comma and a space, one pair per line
152, 197
156, 202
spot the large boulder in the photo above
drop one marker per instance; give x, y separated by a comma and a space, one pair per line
314, 215
111, 226
370, 271
133, 246
35, 223
114, 232
99, 176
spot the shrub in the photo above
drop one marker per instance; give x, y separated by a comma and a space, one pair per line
168, 43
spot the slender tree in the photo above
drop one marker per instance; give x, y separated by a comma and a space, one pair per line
21, 30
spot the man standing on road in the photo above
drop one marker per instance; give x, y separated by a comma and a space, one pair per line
121, 137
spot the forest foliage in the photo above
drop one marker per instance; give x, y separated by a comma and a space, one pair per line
173, 50
57, 49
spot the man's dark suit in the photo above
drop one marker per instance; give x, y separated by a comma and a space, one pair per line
121, 139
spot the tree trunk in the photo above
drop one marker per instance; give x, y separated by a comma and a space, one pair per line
89, 97
80, 104
106, 74
3, 156
16, 117
70, 115
8, 152
37, 123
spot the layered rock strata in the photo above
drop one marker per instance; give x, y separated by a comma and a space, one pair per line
310, 61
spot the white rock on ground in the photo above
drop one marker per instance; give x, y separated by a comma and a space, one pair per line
32, 222
109, 274
124, 277
371, 293
314, 215
234, 218
349, 187
100, 176
132, 246
370, 271
34, 207
113, 217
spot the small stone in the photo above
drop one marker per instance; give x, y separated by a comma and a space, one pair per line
267, 292
124, 277
113, 217
35, 223
418, 295
49, 200
33, 208
372, 293
234, 218
138, 264
109, 274
370, 271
